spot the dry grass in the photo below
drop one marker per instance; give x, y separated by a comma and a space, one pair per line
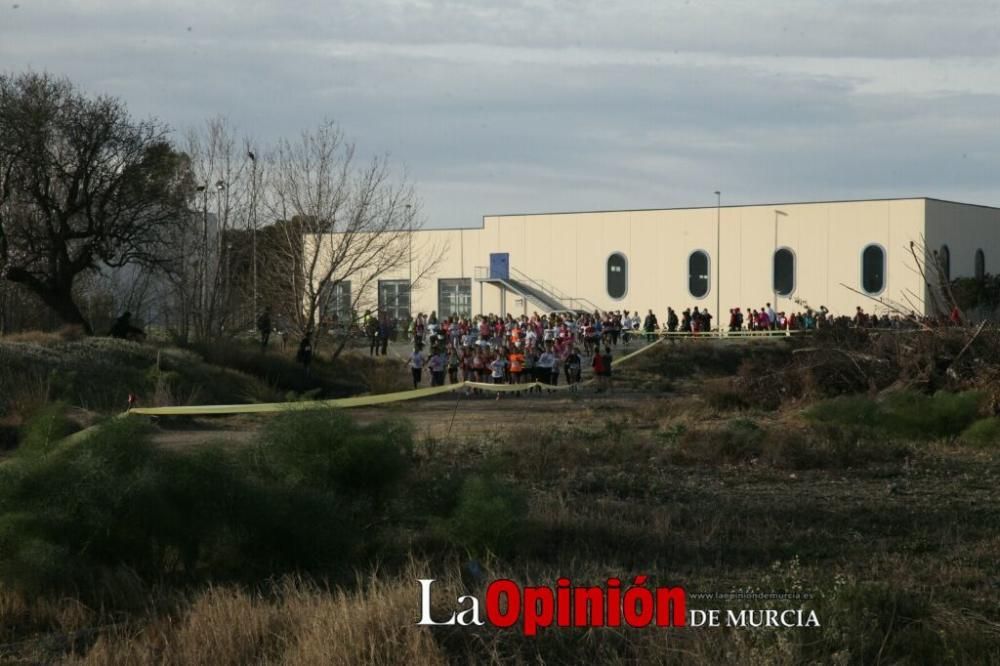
695, 488
64, 334
381, 374
298, 623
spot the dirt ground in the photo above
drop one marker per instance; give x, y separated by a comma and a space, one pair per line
455, 415
441, 417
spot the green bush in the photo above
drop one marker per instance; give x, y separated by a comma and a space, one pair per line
741, 439
98, 374
489, 517
984, 433
323, 448
855, 410
904, 414
301, 501
45, 428
921, 416
65, 514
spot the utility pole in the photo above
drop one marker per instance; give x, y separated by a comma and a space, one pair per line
253, 228
203, 296
409, 240
718, 259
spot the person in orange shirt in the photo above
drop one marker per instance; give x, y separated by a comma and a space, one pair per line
516, 360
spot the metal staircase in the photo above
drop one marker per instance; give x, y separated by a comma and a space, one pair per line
537, 291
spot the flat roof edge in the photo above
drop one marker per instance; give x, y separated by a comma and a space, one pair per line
756, 205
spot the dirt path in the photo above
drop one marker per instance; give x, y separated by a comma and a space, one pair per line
434, 417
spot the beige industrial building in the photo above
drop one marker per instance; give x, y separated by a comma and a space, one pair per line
720, 257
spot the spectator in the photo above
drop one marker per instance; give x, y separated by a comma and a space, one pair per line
305, 352
573, 366
672, 321
436, 364
416, 363
264, 327
384, 330
606, 362
124, 330
597, 363
546, 361
650, 325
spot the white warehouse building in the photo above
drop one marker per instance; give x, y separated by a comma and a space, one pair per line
840, 254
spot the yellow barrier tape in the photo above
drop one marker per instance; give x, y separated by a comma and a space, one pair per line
722, 335
362, 401
635, 353
265, 407
507, 388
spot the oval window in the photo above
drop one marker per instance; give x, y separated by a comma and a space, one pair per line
980, 265
873, 269
617, 275
698, 274
944, 262
784, 272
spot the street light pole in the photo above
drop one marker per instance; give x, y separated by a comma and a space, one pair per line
203, 290
219, 281
253, 228
409, 239
718, 257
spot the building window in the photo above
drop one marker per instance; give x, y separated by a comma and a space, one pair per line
617, 275
944, 262
454, 297
784, 272
698, 274
394, 299
873, 269
336, 303
980, 265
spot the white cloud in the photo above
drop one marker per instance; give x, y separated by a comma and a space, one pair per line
556, 104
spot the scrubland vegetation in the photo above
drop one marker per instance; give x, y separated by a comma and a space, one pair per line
305, 546
94, 376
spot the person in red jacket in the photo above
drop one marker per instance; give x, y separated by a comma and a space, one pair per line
598, 365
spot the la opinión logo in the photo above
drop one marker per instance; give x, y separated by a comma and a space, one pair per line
565, 605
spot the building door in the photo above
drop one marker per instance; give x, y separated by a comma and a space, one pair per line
500, 265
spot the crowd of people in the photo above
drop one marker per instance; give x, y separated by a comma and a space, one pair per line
511, 350
542, 348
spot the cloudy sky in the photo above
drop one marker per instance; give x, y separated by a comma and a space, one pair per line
545, 105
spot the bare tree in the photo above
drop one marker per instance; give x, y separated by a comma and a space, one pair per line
342, 221
82, 185
204, 293
933, 270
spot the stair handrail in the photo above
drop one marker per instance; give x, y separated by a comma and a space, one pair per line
482, 273
541, 285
